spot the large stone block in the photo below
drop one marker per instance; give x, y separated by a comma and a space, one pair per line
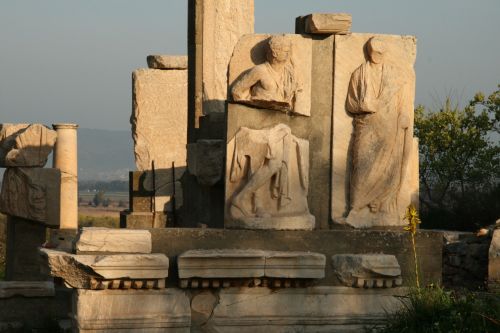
159, 118
317, 309
26, 289
33, 194
106, 240
221, 263
295, 265
206, 161
143, 220
393, 165
367, 270
121, 311
167, 62
24, 237
25, 145
223, 23
328, 23
88, 271
175, 241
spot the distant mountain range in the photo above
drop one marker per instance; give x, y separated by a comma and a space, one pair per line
104, 155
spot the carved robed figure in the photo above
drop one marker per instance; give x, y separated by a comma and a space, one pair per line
378, 99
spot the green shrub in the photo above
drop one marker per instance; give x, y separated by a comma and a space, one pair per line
434, 310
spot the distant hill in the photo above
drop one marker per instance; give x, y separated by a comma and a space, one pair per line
104, 155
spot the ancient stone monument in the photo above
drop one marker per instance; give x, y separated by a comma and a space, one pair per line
272, 176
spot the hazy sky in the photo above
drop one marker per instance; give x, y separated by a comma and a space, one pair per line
71, 61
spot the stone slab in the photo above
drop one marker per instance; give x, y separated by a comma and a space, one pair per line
494, 262
24, 237
159, 118
35, 313
221, 263
316, 309
328, 23
25, 145
79, 270
166, 310
206, 161
224, 22
175, 241
295, 265
167, 62
300, 222
107, 240
26, 289
33, 194
144, 220
367, 270
349, 55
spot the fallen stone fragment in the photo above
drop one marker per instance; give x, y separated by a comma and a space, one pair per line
367, 270
322, 23
167, 62
119, 271
107, 240
25, 145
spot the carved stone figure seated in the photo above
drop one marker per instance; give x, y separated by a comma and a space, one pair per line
272, 84
270, 168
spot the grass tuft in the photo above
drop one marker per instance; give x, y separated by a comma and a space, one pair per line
435, 310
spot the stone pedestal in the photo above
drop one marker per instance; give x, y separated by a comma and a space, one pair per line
24, 237
121, 311
66, 160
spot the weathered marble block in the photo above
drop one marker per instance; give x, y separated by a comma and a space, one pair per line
494, 262
26, 289
159, 118
107, 240
221, 263
328, 23
218, 26
121, 311
206, 161
32, 193
84, 271
374, 154
231, 263
292, 264
167, 62
367, 270
316, 309
25, 145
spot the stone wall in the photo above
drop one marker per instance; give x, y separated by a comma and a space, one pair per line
465, 260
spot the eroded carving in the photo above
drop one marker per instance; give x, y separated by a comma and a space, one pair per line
379, 99
23, 145
273, 84
367, 270
269, 172
31, 193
